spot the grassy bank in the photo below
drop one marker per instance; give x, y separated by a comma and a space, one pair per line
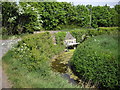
28, 64
96, 61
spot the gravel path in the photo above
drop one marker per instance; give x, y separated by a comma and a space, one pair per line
5, 45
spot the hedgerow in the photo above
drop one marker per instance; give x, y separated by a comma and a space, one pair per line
79, 34
108, 30
83, 34
96, 61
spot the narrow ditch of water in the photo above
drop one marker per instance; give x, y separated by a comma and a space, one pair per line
61, 64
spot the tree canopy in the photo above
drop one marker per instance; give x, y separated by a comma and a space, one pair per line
34, 16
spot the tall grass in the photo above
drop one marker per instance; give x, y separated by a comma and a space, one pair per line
28, 67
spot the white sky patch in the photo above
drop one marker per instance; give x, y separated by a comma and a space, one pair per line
88, 0
110, 3
17, 1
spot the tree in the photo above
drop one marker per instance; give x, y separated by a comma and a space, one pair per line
9, 15
117, 8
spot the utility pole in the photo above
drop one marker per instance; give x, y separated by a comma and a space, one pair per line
90, 12
90, 16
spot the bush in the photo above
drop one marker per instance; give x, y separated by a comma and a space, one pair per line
4, 31
79, 33
34, 50
96, 60
60, 36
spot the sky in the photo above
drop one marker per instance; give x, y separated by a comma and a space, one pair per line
110, 3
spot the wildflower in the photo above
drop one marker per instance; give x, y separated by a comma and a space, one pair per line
3, 43
95, 40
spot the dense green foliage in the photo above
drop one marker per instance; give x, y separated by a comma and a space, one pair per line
19, 19
31, 1
78, 34
117, 8
96, 61
104, 16
60, 36
34, 49
28, 64
34, 16
83, 34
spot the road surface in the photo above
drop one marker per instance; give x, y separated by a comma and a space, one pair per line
5, 45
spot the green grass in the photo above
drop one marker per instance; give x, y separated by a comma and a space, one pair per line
19, 69
96, 60
22, 78
4, 37
74, 28
69, 27
33, 69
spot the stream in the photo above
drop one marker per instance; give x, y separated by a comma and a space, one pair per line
61, 64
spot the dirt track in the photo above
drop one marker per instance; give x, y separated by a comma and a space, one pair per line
5, 45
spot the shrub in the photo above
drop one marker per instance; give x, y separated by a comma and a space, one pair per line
60, 36
4, 31
82, 34
78, 34
34, 49
96, 60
